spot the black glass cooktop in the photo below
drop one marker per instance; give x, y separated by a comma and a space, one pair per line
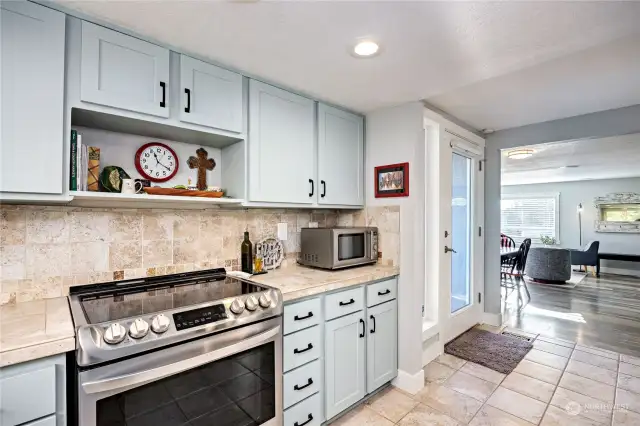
123, 299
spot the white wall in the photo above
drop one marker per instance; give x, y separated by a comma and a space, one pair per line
573, 193
396, 135
620, 121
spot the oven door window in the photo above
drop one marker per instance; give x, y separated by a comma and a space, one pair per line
351, 246
235, 391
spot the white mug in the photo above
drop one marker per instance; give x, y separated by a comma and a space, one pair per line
130, 186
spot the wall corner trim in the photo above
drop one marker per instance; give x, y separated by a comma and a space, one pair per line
492, 319
411, 383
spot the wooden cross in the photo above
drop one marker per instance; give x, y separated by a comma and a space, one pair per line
202, 164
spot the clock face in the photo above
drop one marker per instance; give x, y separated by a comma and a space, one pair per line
157, 162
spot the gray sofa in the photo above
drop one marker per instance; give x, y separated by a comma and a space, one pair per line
547, 264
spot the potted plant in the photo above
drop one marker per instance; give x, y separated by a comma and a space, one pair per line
547, 241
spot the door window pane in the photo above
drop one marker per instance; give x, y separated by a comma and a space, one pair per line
235, 391
461, 233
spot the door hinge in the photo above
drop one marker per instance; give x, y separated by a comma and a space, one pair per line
479, 231
479, 297
422, 311
480, 165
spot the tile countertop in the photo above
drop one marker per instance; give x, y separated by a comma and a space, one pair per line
33, 330
296, 282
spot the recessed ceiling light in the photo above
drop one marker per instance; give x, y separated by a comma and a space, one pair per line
519, 154
366, 49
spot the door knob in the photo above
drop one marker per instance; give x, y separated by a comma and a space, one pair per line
447, 250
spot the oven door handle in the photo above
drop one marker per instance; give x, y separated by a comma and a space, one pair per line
146, 376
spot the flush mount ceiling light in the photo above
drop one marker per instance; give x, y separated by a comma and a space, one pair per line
520, 154
366, 49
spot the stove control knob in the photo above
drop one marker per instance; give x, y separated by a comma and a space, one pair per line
265, 301
138, 329
251, 303
160, 323
114, 334
237, 306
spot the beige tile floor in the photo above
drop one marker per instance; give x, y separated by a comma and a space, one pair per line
557, 384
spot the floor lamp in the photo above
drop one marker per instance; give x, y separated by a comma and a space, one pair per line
580, 227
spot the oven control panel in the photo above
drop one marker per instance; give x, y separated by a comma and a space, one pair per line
197, 317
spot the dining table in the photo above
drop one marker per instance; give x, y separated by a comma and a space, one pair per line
508, 252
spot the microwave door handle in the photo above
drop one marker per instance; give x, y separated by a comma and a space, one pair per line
146, 376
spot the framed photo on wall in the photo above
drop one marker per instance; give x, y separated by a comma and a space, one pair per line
392, 180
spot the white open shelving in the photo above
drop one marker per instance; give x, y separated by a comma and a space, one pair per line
109, 199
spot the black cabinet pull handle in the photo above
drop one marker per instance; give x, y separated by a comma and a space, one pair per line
309, 383
324, 188
374, 324
164, 94
309, 418
299, 351
297, 318
363, 326
188, 107
350, 302
384, 293
312, 190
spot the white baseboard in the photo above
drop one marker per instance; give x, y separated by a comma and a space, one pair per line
620, 271
492, 319
411, 383
432, 352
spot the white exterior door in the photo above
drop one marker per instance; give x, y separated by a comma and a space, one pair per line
340, 157
124, 72
461, 257
281, 146
32, 98
211, 96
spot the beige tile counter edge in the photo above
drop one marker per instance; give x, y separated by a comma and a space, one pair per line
34, 330
297, 282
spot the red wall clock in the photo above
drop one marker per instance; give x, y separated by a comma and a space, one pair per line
156, 161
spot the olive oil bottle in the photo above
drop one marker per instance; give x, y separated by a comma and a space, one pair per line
246, 254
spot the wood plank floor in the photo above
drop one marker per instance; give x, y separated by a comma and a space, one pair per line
602, 312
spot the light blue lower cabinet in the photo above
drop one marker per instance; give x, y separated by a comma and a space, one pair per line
301, 383
33, 393
382, 344
305, 413
344, 362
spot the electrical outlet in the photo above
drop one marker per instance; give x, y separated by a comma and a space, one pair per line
282, 231
313, 224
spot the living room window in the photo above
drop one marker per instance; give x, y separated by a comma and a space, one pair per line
530, 216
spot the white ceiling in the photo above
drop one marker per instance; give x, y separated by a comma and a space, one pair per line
492, 64
605, 158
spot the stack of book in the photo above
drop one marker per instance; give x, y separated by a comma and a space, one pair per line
85, 165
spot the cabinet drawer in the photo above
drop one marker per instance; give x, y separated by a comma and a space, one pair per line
298, 316
301, 383
343, 303
382, 292
306, 413
18, 395
301, 347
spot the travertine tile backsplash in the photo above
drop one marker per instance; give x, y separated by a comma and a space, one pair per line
45, 250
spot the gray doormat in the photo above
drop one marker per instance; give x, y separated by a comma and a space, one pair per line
495, 351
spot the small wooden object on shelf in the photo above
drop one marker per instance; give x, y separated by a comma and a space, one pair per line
183, 192
202, 163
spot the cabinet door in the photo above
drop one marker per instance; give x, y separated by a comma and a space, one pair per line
124, 72
382, 344
340, 157
345, 362
32, 134
281, 146
211, 96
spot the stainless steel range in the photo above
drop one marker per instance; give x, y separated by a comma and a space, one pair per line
188, 349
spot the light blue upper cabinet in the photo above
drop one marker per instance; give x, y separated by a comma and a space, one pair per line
124, 72
281, 146
344, 362
340, 157
211, 96
32, 41
382, 344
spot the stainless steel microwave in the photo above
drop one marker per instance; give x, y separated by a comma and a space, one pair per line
335, 248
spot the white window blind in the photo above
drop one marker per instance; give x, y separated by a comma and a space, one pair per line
530, 216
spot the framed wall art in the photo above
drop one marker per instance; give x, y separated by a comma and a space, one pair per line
392, 180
